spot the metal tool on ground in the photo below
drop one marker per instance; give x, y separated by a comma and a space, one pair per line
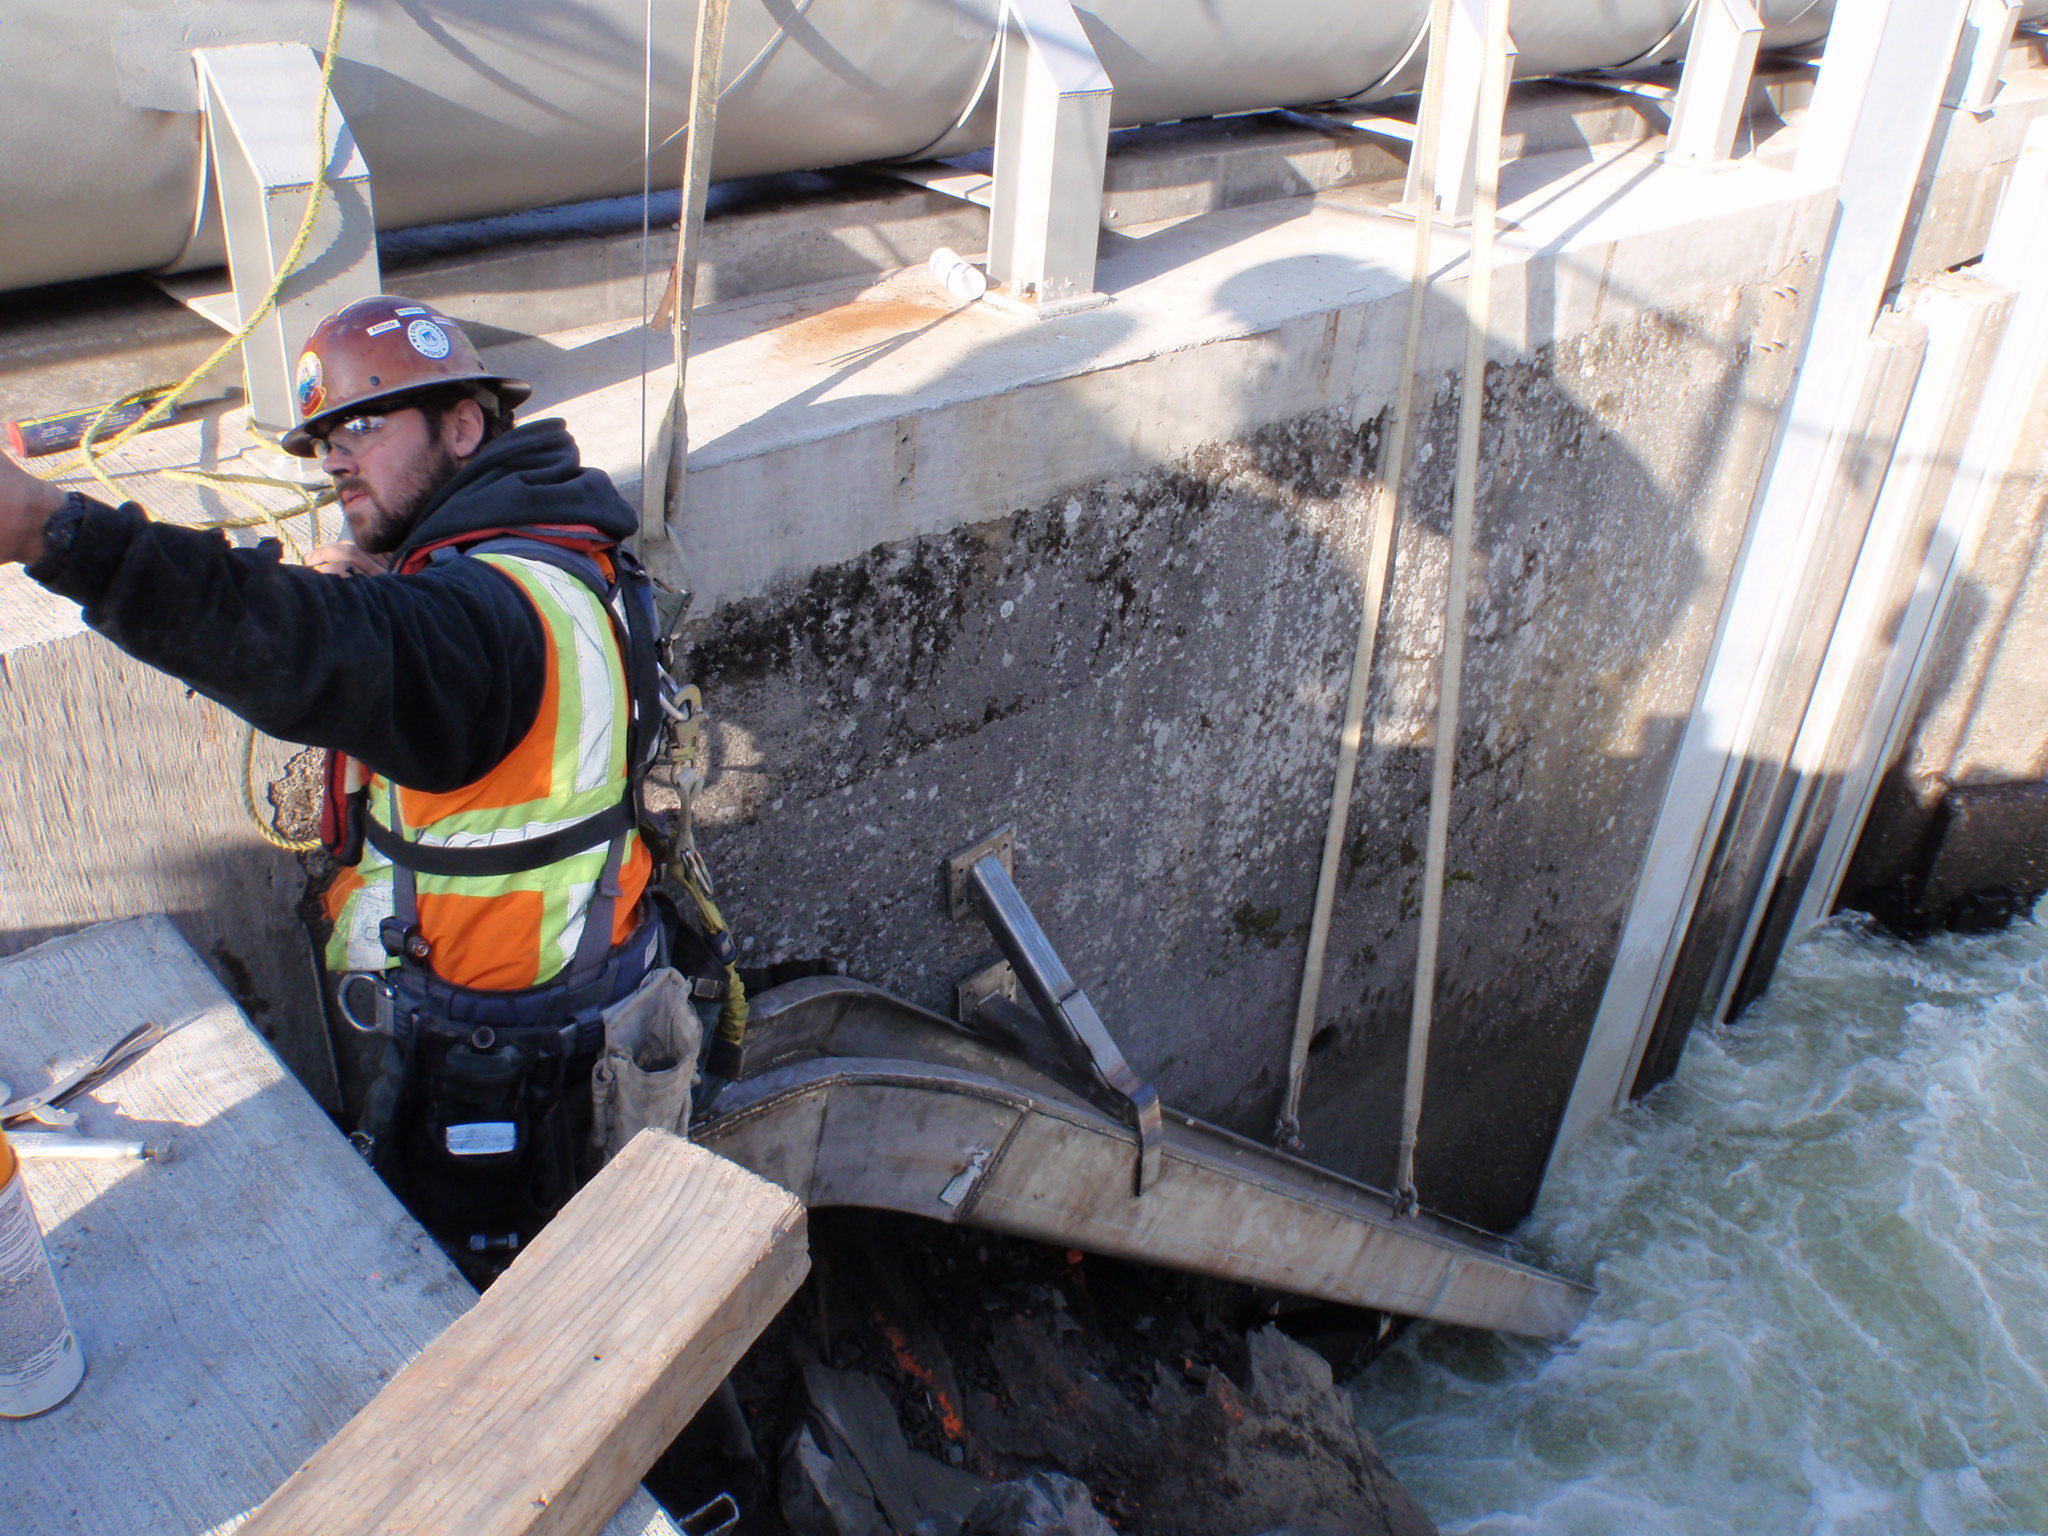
36, 435
63, 1146
980, 877
44, 1106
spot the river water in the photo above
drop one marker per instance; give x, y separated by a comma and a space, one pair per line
1822, 1253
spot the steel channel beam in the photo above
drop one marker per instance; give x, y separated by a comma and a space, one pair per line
1873, 115
261, 105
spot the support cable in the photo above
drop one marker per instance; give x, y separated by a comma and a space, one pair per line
646, 202
1471, 407
662, 490
1386, 511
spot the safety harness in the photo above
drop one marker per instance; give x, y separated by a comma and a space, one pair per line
458, 1051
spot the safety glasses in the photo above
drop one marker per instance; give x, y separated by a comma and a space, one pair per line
352, 434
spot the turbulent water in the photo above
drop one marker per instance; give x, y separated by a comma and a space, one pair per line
1822, 1253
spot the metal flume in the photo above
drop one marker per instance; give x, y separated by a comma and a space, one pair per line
853, 1097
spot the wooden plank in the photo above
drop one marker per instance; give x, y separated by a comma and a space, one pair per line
538, 1411
236, 1305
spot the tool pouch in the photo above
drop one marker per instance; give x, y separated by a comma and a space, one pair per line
644, 1073
477, 1108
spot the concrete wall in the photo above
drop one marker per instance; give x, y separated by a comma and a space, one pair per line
1099, 578
120, 799
1143, 675
1982, 719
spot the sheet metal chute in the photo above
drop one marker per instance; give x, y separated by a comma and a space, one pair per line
852, 1097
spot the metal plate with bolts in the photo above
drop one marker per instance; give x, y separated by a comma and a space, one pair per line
1002, 843
971, 992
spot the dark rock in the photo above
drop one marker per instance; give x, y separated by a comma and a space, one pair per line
1287, 1451
858, 1428
823, 1497
1037, 1504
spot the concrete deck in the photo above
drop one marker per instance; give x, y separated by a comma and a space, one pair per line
236, 1305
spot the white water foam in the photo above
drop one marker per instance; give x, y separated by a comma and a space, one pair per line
1822, 1254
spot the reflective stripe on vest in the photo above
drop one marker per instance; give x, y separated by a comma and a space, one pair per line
504, 932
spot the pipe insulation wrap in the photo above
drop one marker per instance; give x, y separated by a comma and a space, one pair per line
464, 108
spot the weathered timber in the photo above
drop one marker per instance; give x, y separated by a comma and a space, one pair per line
537, 1412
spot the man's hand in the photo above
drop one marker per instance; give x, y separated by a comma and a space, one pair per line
345, 559
25, 505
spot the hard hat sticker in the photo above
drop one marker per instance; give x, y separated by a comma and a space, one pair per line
381, 327
309, 386
427, 338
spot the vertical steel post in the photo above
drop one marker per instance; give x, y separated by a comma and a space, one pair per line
1713, 91
261, 103
1458, 71
1873, 115
2015, 258
1988, 28
1052, 141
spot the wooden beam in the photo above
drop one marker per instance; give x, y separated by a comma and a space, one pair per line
537, 1412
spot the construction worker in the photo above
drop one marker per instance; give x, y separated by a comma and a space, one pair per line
486, 699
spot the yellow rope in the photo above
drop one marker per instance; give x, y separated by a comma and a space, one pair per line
690, 873
247, 776
89, 454
232, 486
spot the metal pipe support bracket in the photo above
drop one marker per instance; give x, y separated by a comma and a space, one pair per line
980, 877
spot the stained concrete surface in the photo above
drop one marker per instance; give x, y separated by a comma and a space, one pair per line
1143, 677
1982, 718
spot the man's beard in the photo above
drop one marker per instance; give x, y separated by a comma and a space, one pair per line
387, 521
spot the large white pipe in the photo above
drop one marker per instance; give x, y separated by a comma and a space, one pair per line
472, 107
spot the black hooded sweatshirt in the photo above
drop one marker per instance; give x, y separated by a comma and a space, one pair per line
429, 679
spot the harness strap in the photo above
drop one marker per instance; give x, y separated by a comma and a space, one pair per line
610, 824
596, 939
623, 592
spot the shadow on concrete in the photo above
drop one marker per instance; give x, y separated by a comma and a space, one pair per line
1143, 675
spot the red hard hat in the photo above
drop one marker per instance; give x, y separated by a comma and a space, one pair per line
376, 348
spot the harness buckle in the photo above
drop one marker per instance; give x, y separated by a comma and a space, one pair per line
403, 940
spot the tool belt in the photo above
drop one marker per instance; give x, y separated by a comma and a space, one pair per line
480, 1117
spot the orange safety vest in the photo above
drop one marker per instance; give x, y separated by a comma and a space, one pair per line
505, 932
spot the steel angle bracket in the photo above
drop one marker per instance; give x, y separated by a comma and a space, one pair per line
1000, 845
997, 980
261, 104
979, 879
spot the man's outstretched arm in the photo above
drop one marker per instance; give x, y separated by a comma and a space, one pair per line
430, 679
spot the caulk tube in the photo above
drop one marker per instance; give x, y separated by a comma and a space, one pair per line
40, 1361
